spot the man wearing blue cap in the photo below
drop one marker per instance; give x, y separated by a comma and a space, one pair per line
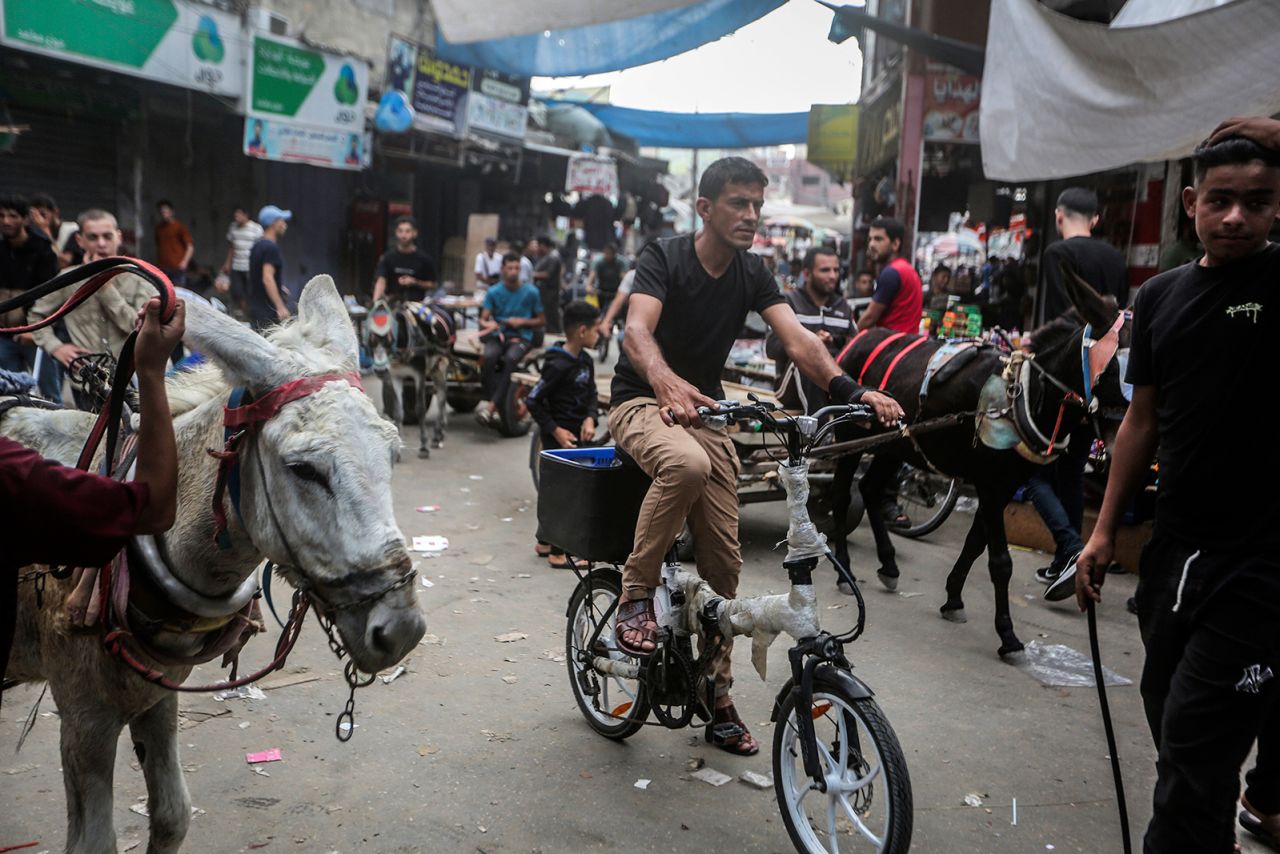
267, 292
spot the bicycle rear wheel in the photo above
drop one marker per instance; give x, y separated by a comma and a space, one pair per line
867, 805
614, 706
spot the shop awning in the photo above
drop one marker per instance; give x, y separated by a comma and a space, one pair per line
701, 130
1062, 97
515, 40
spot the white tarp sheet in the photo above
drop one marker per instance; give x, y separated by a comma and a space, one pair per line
483, 20
1062, 97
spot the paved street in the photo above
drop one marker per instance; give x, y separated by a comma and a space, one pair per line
479, 745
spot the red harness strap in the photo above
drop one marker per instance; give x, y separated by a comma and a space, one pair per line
866, 366
849, 346
242, 420
884, 381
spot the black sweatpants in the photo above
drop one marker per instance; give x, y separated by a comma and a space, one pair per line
501, 357
1210, 623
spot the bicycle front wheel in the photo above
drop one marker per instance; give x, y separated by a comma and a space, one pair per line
615, 706
867, 805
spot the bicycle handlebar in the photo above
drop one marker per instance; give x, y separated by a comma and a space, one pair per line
735, 412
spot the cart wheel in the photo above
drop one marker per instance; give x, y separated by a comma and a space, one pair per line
513, 411
462, 403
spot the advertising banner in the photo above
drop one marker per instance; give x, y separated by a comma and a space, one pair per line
951, 104
498, 104
436, 89
306, 86
296, 143
832, 143
591, 174
173, 41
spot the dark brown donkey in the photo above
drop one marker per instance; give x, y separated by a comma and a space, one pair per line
1055, 375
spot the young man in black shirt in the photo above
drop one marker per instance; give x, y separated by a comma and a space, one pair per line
1057, 489
1098, 262
548, 276
268, 296
821, 309
1202, 360
27, 259
409, 272
689, 301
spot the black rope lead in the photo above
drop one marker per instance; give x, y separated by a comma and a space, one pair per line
1106, 725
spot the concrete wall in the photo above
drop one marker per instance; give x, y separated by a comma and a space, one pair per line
357, 27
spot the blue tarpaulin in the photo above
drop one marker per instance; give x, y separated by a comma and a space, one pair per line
608, 47
701, 130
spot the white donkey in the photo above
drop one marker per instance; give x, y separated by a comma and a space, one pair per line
315, 498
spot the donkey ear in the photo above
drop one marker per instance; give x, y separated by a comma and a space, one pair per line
1098, 311
243, 355
325, 323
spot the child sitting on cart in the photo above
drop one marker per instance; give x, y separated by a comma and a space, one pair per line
563, 403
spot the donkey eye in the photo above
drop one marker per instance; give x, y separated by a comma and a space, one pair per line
308, 472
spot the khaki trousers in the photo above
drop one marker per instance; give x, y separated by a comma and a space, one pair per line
695, 477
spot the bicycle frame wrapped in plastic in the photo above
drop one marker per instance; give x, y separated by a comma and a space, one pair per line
766, 617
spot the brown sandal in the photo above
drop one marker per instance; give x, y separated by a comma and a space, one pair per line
727, 732
632, 616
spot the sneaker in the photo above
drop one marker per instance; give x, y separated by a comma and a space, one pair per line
1048, 574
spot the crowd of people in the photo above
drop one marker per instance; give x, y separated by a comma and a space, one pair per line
36, 244
1208, 607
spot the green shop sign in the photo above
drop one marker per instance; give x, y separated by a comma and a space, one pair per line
306, 86
172, 41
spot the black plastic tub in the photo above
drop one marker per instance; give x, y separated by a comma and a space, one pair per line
588, 502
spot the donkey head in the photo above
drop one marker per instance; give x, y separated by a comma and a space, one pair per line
1108, 385
316, 478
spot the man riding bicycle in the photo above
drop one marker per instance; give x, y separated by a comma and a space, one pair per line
690, 298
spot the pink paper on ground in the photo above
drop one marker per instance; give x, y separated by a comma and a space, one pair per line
272, 755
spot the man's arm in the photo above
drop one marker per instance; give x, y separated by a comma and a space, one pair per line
810, 355
1131, 457
772, 343
487, 323
157, 451
871, 315
45, 338
231, 252
888, 283
678, 400
614, 309
191, 248
273, 291
379, 288
122, 298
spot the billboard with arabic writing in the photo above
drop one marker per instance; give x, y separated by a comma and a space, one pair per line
951, 102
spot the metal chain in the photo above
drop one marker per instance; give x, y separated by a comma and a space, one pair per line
348, 716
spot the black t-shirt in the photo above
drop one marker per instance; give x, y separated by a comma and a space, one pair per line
701, 316
264, 252
609, 276
393, 264
33, 263
1204, 338
1096, 261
